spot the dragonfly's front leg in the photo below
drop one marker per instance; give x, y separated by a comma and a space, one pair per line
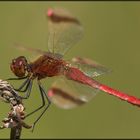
26, 82
17, 78
28, 89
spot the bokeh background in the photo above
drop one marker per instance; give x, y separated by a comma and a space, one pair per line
112, 38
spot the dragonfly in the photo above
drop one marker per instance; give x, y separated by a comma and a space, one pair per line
75, 82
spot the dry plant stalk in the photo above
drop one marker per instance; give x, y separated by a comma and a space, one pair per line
15, 119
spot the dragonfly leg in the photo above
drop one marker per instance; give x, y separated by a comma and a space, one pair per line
17, 78
43, 104
26, 82
28, 89
27, 85
47, 106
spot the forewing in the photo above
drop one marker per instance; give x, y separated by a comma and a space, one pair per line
68, 94
89, 67
64, 31
23, 48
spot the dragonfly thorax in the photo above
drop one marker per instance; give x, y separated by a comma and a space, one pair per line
47, 65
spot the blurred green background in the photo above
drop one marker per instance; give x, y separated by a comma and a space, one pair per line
112, 38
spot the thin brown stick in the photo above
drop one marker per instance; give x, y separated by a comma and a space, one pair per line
15, 133
17, 116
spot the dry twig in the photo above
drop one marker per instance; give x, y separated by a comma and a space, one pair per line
16, 115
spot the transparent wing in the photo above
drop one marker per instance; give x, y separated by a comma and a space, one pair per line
23, 48
89, 67
68, 94
64, 31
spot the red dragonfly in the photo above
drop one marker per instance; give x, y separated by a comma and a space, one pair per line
75, 84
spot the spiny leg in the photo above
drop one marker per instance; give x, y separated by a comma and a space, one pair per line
47, 106
27, 85
26, 82
17, 78
29, 88
43, 104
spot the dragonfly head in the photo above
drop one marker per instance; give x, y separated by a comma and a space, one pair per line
19, 66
